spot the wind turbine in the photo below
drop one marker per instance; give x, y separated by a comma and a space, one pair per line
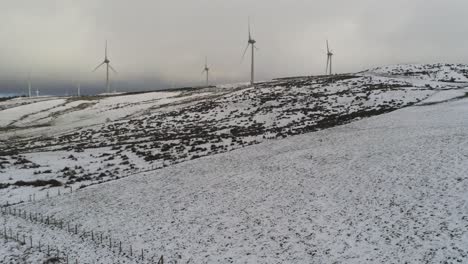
29, 85
107, 62
329, 61
78, 88
37, 92
207, 70
251, 42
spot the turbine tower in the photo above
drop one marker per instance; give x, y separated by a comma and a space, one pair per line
78, 88
37, 92
251, 42
207, 70
107, 62
29, 85
328, 70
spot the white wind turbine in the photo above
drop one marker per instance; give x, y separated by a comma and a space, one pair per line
78, 89
107, 62
251, 42
29, 85
207, 70
328, 70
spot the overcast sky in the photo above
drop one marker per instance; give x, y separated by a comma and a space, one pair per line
154, 44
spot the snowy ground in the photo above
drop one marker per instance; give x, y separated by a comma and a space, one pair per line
387, 189
79, 142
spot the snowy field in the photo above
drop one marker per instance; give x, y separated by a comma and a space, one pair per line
293, 181
75, 142
388, 189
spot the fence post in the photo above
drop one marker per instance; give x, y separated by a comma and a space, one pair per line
142, 257
30, 240
120, 246
48, 250
131, 251
39, 245
161, 260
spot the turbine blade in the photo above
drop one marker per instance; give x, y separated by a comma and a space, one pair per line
98, 66
328, 50
105, 52
248, 25
112, 68
245, 51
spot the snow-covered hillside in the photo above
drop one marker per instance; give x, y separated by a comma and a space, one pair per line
75, 142
387, 189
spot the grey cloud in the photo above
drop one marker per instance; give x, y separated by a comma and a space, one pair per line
158, 43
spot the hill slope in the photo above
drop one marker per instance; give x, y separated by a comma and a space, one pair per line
390, 188
90, 140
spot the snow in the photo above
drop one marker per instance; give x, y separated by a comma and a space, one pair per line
391, 188
10, 115
143, 170
443, 96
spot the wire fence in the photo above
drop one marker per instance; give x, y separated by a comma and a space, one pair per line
54, 254
98, 238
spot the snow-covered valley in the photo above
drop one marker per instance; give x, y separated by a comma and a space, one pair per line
293, 181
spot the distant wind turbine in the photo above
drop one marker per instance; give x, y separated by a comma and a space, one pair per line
29, 85
207, 70
37, 92
107, 62
78, 88
328, 70
251, 42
